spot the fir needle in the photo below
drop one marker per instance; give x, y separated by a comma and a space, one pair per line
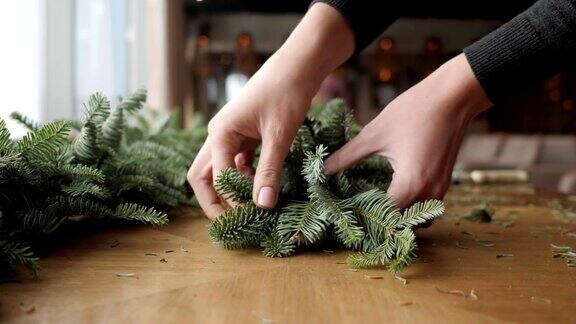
541, 300
27, 309
126, 275
452, 292
460, 246
373, 277
485, 243
402, 280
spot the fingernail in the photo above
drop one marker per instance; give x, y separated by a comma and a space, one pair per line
266, 197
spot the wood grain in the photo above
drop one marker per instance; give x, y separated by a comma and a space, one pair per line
203, 283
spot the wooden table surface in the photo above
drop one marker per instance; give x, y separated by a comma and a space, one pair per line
180, 276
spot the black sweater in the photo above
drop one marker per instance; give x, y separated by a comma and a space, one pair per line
537, 43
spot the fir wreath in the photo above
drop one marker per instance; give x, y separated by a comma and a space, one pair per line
351, 208
120, 166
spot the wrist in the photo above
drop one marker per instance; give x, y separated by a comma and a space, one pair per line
320, 43
461, 88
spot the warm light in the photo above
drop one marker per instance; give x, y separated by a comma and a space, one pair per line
552, 83
554, 95
386, 44
568, 104
384, 75
432, 46
203, 40
198, 0
244, 40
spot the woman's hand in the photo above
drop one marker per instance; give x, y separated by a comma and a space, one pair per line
270, 109
420, 132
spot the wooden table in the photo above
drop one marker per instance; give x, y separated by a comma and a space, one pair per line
179, 276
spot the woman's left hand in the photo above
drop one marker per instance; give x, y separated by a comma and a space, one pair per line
420, 132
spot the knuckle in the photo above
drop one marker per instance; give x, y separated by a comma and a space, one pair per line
191, 176
276, 132
269, 172
214, 126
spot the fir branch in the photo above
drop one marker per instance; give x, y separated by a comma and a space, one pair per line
303, 142
98, 109
134, 102
17, 253
158, 151
142, 214
420, 213
112, 129
380, 255
395, 253
405, 250
240, 227
37, 222
339, 212
25, 121
109, 171
82, 172
233, 185
278, 246
302, 223
377, 211
136, 182
313, 167
86, 148
342, 185
334, 124
5, 141
45, 142
65, 206
84, 188
351, 207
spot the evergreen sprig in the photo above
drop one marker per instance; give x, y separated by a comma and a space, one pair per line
124, 164
351, 207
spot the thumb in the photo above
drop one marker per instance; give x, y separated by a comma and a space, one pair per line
349, 154
269, 170
405, 193
399, 192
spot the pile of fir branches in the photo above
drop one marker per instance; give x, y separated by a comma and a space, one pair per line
114, 165
350, 208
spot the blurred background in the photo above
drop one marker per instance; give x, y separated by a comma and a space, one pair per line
197, 54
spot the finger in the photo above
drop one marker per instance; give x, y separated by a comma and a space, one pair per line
401, 196
269, 170
223, 148
200, 179
349, 154
244, 159
243, 163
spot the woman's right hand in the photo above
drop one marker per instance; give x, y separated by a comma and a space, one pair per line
270, 109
